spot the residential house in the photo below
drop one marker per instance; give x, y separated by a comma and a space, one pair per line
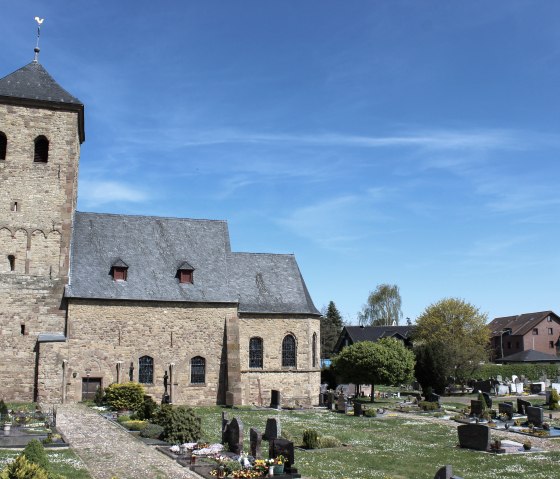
356, 334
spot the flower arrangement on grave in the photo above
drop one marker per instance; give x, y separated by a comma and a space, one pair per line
527, 445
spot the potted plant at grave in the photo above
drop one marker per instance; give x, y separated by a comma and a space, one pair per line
278, 464
527, 445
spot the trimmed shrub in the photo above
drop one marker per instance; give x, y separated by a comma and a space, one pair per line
99, 398
124, 396
180, 424
147, 409
329, 441
554, 398
152, 430
310, 439
428, 406
370, 413
123, 418
35, 452
135, 425
21, 468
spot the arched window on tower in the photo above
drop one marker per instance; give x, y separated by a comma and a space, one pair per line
289, 352
41, 150
3, 146
146, 370
314, 350
198, 370
12, 262
256, 353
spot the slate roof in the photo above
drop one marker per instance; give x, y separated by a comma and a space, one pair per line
269, 283
154, 248
529, 356
32, 84
520, 324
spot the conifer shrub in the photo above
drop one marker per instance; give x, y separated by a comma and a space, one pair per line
35, 453
310, 439
554, 398
329, 441
153, 431
124, 396
180, 424
3, 408
22, 468
147, 409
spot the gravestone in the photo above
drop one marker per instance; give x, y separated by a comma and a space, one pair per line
474, 436
476, 407
230, 399
341, 403
487, 400
255, 439
358, 411
483, 386
519, 388
502, 389
555, 386
445, 473
499, 378
275, 399
514, 378
330, 400
535, 415
536, 388
225, 423
522, 405
285, 448
272, 429
234, 435
506, 408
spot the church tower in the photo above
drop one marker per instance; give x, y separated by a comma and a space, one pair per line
41, 130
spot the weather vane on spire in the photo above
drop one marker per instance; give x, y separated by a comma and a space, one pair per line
37, 49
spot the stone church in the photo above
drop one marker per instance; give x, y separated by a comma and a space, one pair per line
89, 299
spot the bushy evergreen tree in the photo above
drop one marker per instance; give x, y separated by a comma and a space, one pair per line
331, 326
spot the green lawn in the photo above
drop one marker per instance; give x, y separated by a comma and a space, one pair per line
63, 461
395, 448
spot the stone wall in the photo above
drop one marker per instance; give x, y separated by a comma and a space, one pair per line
102, 334
299, 385
37, 201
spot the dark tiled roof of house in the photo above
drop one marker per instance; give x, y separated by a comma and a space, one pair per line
529, 356
520, 324
35, 83
155, 248
374, 333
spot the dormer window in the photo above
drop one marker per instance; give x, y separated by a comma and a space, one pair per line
185, 273
119, 270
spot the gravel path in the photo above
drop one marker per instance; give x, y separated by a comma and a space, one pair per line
109, 451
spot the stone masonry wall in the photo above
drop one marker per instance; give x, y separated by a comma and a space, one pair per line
37, 202
299, 385
103, 333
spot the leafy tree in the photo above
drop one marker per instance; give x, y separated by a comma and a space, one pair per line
331, 326
428, 370
386, 362
383, 306
458, 330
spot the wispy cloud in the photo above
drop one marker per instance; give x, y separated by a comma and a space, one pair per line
96, 193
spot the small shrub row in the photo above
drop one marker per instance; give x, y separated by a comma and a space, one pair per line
312, 440
428, 406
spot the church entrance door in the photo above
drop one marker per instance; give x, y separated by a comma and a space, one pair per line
90, 387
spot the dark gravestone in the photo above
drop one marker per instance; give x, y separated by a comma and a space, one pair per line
487, 399
476, 407
535, 415
358, 411
272, 429
285, 448
275, 399
225, 423
330, 400
536, 388
522, 405
255, 438
474, 436
506, 408
548, 397
445, 473
233, 435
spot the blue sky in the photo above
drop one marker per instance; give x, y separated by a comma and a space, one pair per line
406, 142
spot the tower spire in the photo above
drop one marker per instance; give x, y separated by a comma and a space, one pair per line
37, 49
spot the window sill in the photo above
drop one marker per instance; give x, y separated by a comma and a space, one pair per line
197, 385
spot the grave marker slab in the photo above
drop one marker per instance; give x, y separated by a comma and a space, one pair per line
521, 405
445, 473
255, 439
506, 408
474, 436
535, 415
275, 399
487, 399
536, 388
285, 448
272, 429
476, 407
